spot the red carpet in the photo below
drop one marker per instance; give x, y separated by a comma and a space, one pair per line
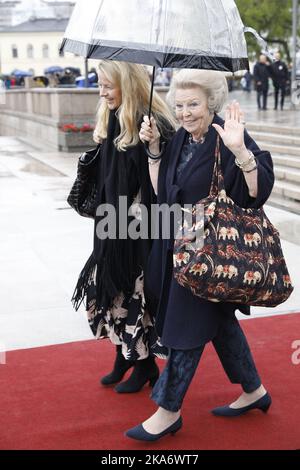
50, 398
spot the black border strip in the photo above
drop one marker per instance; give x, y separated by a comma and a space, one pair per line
154, 58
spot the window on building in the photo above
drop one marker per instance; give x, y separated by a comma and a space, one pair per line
45, 51
30, 51
14, 51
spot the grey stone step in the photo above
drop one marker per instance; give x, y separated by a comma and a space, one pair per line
289, 205
287, 150
286, 161
284, 189
271, 128
278, 138
287, 174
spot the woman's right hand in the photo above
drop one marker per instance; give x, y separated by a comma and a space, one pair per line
150, 133
96, 138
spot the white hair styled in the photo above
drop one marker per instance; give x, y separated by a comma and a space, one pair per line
213, 83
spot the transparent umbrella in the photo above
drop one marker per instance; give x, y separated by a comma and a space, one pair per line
205, 34
179, 33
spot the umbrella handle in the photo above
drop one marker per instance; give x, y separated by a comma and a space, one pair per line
155, 157
151, 92
263, 44
146, 144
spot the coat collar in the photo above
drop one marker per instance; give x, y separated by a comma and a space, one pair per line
176, 151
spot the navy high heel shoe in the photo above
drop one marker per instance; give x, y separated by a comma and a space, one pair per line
140, 434
262, 404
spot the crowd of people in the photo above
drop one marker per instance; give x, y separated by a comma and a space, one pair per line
69, 76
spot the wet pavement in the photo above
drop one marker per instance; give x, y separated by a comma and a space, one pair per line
289, 117
44, 245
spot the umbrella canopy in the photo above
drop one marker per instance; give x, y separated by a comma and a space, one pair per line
206, 34
91, 76
21, 73
53, 69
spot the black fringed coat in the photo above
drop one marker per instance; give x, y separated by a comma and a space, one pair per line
184, 321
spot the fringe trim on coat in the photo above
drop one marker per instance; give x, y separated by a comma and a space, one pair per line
85, 278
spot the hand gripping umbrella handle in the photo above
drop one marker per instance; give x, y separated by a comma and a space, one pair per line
150, 155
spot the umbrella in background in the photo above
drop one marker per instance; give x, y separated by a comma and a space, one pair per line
92, 79
204, 34
53, 69
21, 73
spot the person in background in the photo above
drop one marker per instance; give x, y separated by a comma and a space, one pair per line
7, 83
247, 80
280, 77
67, 78
261, 75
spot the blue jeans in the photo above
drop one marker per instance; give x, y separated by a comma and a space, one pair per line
234, 353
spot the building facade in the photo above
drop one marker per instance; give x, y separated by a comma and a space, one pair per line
7, 9
33, 45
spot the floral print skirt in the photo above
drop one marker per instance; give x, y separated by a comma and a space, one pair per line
127, 322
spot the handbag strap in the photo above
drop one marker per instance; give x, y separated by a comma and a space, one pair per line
89, 157
217, 183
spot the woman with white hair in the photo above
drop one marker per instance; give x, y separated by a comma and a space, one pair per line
184, 322
112, 280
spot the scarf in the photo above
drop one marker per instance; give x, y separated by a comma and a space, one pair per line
119, 261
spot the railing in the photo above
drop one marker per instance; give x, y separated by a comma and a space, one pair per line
56, 103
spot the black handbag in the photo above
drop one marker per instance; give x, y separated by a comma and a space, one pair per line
83, 195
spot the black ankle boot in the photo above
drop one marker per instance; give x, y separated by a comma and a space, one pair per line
144, 371
121, 366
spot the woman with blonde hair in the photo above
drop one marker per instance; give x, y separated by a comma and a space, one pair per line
112, 281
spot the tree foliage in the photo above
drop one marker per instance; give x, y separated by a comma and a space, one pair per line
272, 19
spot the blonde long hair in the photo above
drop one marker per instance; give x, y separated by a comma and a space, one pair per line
134, 83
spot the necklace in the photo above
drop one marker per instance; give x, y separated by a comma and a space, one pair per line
200, 141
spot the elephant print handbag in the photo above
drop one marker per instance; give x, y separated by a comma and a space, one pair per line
241, 259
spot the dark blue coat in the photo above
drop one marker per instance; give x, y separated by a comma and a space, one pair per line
184, 321
262, 73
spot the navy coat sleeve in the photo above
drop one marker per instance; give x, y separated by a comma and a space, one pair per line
235, 183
